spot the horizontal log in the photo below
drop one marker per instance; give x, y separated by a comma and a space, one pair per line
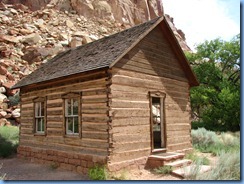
53, 124
94, 111
179, 146
55, 118
130, 112
178, 139
54, 105
131, 121
127, 146
176, 133
117, 103
65, 147
167, 82
95, 119
128, 96
129, 155
54, 112
54, 93
95, 135
123, 138
142, 129
90, 126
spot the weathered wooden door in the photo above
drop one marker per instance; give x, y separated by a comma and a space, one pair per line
157, 120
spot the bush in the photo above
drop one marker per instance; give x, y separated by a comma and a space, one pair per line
227, 168
210, 142
197, 159
2, 176
14, 100
202, 139
97, 173
163, 170
9, 140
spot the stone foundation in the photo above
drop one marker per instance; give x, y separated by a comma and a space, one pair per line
66, 160
128, 164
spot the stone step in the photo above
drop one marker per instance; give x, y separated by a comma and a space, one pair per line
186, 171
167, 156
179, 163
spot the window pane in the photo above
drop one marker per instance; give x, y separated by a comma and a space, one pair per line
39, 124
42, 122
75, 106
37, 109
42, 108
68, 106
76, 125
69, 125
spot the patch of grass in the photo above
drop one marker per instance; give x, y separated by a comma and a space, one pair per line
97, 173
163, 170
209, 142
195, 158
54, 165
9, 140
227, 168
123, 175
2, 176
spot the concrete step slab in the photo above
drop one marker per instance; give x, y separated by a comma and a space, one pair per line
167, 156
179, 163
186, 171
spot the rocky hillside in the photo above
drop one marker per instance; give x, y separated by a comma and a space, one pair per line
33, 31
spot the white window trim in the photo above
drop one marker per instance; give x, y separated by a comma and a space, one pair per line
37, 117
71, 116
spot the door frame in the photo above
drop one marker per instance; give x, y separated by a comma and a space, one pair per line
162, 96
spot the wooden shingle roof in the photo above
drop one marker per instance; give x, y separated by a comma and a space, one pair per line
99, 54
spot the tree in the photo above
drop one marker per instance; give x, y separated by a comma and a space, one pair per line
216, 101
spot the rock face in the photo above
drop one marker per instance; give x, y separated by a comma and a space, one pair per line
124, 11
29, 38
31, 4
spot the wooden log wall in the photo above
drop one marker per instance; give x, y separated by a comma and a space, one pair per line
150, 66
94, 117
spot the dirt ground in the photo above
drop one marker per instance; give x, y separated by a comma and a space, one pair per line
20, 169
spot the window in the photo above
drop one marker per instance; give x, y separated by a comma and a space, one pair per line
39, 119
72, 114
158, 126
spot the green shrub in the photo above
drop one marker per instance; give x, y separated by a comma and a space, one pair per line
227, 168
2, 176
210, 142
202, 139
14, 100
197, 124
97, 173
9, 140
54, 165
122, 175
163, 170
195, 158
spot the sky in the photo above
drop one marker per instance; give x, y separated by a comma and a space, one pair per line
202, 20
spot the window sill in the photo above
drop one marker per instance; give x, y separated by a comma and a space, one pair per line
40, 134
72, 135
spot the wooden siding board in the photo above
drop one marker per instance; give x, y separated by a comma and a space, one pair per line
94, 115
149, 66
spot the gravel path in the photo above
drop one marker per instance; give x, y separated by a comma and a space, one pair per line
19, 169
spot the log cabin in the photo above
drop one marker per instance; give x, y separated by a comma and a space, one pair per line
115, 102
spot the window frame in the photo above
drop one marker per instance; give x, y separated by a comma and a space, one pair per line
161, 95
71, 96
36, 115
